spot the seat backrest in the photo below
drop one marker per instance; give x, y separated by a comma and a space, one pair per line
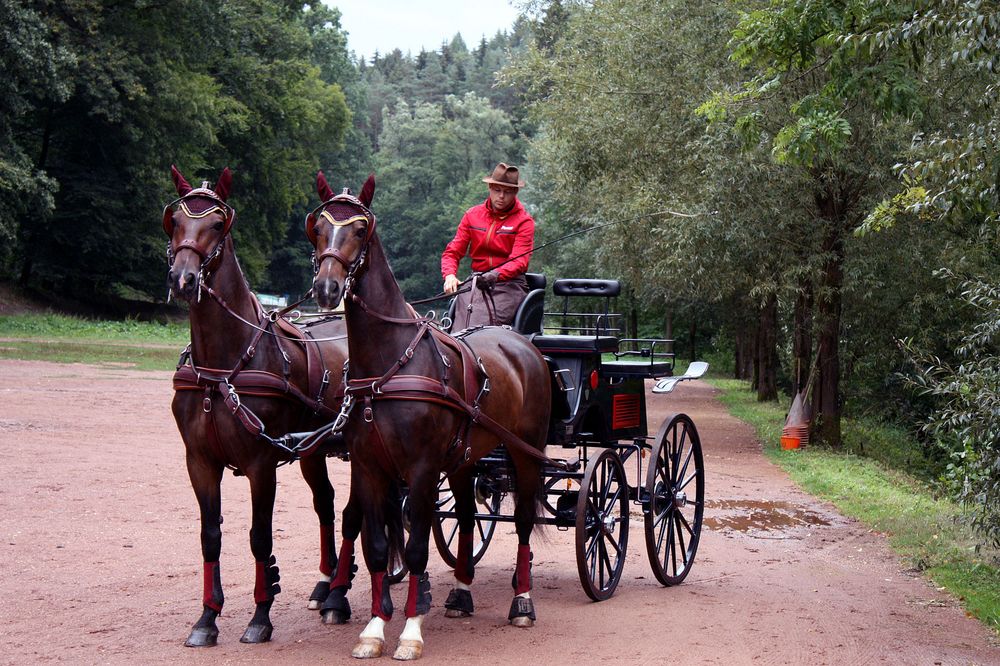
528, 318
535, 281
586, 287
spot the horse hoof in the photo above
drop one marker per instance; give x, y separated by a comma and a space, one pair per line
202, 637
319, 594
522, 621
368, 648
454, 612
333, 617
408, 650
257, 633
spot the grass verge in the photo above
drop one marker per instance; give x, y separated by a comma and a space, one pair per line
926, 530
65, 339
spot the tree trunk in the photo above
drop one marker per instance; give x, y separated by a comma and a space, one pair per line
767, 352
833, 202
802, 338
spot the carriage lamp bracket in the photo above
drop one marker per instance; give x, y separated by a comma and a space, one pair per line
564, 380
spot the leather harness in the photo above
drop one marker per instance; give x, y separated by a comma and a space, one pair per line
420, 388
241, 382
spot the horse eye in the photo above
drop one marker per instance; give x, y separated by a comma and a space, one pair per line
360, 233
217, 226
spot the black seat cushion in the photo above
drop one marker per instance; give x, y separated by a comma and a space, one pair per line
575, 344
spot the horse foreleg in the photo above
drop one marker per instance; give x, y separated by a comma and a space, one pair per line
315, 473
262, 491
370, 491
206, 479
459, 601
421, 502
336, 608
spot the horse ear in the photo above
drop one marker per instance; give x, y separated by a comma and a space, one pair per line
179, 182
224, 185
368, 191
325, 193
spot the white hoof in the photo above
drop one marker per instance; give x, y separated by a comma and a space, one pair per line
408, 650
368, 648
313, 604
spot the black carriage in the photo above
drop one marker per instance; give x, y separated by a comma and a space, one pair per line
597, 431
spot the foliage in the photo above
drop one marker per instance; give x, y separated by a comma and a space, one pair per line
455, 143
125, 89
966, 421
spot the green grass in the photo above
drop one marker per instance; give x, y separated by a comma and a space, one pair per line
65, 339
890, 489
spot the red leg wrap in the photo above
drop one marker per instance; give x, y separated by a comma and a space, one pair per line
325, 546
266, 585
418, 597
523, 570
381, 602
465, 570
212, 587
344, 565
260, 583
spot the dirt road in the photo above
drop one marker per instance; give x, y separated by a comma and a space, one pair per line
101, 562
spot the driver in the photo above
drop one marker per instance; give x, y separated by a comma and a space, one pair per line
499, 235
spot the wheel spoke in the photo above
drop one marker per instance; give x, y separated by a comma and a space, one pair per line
680, 543
687, 461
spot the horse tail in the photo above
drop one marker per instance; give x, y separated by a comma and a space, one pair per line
393, 512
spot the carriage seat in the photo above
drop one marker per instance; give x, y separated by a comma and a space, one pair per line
528, 318
586, 287
575, 344
654, 370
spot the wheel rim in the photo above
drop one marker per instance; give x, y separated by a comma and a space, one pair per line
675, 495
446, 528
602, 525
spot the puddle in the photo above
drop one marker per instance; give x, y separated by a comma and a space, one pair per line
757, 515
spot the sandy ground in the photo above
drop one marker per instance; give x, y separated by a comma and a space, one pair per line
101, 562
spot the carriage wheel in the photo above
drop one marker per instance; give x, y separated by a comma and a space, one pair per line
446, 528
602, 525
675, 491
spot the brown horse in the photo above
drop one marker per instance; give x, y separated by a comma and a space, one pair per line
419, 403
247, 376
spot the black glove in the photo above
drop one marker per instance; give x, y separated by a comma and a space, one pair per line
488, 280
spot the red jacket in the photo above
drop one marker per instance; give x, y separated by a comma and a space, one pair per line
491, 239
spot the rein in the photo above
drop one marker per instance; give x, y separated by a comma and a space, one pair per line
393, 386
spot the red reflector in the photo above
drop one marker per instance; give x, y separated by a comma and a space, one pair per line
593, 380
626, 411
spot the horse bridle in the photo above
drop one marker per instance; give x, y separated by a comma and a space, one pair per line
207, 258
352, 266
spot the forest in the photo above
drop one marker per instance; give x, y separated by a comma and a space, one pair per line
802, 191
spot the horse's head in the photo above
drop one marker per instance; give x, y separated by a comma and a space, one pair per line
197, 223
339, 229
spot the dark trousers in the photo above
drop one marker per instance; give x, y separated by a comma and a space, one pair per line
501, 303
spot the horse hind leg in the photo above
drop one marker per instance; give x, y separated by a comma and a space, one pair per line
262, 492
315, 473
336, 609
522, 608
459, 601
206, 480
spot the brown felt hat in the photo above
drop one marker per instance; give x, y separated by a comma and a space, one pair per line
506, 175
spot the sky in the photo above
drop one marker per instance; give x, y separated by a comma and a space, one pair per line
383, 25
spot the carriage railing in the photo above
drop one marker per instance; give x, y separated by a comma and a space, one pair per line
589, 324
651, 350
